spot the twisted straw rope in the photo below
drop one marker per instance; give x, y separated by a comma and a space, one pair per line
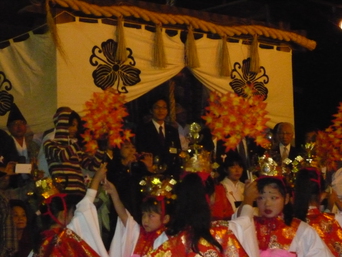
178, 19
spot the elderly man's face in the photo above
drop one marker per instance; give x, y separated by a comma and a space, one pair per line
285, 134
17, 128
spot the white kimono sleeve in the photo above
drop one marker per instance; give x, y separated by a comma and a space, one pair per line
85, 223
244, 230
307, 243
338, 218
125, 238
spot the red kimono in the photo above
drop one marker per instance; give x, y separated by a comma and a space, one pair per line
178, 246
61, 242
274, 233
146, 240
327, 228
220, 207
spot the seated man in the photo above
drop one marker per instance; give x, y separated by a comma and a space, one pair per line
17, 126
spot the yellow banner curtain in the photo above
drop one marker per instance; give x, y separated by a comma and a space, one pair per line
59, 81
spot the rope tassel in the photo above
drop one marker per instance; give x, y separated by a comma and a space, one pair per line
121, 54
172, 100
191, 58
255, 61
53, 29
159, 58
224, 58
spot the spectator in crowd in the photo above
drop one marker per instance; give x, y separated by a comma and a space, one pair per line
284, 149
159, 138
22, 222
48, 135
125, 171
233, 168
248, 151
17, 126
65, 156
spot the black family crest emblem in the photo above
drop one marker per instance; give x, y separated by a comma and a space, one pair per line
6, 99
110, 72
246, 83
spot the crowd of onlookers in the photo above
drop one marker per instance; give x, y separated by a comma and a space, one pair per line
160, 194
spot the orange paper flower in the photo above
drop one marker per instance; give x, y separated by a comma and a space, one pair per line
329, 142
231, 118
104, 117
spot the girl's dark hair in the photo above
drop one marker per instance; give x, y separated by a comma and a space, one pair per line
163, 206
192, 212
308, 186
232, 159
158, 98
280, 184
20, 203
151, 204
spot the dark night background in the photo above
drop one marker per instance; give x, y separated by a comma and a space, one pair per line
316, 74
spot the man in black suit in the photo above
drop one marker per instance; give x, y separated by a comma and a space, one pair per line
284, 149
159, 138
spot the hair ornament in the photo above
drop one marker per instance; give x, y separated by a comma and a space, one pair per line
48, 201
155, 186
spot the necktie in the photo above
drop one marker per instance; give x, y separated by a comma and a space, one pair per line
161, 134
285, 153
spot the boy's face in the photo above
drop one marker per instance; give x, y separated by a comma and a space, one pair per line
270, 202
127, 150
73, 128
235, 172
151, 221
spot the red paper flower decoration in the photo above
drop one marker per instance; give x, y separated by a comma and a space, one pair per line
104, 117
329, 142
231, 118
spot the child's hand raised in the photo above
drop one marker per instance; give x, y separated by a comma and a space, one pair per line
101, 172
100, 175
250, 193
110, 189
